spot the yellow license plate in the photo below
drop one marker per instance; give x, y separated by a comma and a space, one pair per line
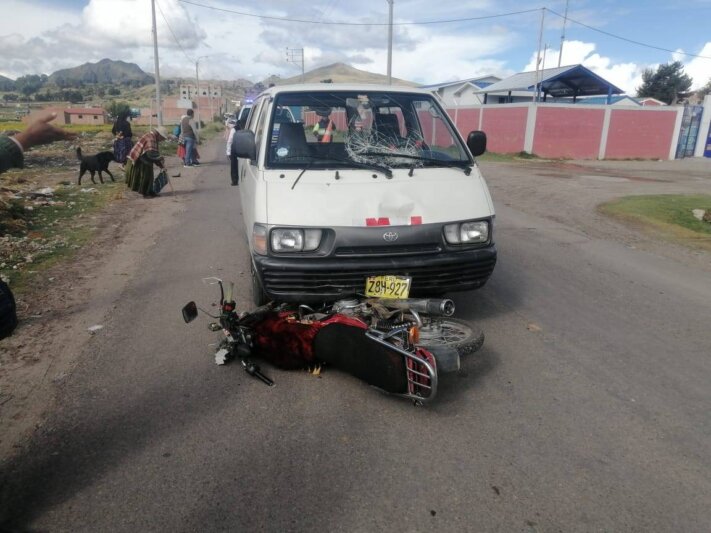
387, 287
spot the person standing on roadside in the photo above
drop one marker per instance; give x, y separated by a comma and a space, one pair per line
123, 141
189, 136
139, 164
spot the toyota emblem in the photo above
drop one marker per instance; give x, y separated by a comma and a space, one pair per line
390, 236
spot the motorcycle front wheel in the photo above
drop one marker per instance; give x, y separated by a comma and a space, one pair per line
457, 334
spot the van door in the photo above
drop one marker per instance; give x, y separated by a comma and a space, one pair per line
252, 195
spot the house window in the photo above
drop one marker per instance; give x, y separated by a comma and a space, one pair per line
95, 117
81, 116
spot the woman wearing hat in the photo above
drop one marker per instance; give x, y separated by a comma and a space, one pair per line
139, 165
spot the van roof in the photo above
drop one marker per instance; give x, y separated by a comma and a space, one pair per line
331, 87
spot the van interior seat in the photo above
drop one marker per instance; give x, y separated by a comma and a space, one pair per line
293, 137
387, 126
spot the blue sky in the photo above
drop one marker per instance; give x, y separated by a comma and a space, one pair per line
43, 36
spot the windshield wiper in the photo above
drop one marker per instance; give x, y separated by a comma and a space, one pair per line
369, 166
306, 167
464, 165
311, 159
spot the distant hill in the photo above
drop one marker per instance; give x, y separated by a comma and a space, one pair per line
105, 71
342, 73
6, 84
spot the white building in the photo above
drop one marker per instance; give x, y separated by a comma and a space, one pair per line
462, 92
188, 90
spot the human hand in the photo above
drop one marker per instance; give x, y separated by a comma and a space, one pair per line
40, 131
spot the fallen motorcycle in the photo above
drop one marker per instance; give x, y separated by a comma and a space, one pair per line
397, 346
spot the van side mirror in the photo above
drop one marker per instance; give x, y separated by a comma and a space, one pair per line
243, 145
476, 142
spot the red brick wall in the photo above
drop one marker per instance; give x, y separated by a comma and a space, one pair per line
505, 128
574, 131
568, 132
640, 133
466, 120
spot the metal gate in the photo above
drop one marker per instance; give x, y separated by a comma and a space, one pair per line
689, 131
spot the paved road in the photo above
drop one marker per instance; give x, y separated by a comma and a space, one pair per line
586, 410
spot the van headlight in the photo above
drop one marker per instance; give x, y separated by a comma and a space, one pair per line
295, 239
259, 239
467, 232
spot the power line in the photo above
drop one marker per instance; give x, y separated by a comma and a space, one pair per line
335, 23
638, 43
443, 21
173, 33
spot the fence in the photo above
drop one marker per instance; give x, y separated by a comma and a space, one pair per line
575, 131
568, 131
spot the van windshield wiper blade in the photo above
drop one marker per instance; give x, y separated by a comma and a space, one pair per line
369, 166
349, 162
464, 165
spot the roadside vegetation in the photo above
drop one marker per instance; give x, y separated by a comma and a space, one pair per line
668, 216
45, 217
42, 227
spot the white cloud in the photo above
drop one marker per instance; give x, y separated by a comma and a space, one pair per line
626, 76
239, 46
699, 68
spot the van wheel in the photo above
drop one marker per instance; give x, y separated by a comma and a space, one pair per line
259, 297
458, 334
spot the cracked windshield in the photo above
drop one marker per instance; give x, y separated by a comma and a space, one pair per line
346, 128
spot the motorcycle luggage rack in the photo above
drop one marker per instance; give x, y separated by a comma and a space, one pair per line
417, 390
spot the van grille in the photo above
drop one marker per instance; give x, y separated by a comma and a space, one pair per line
388, 250
424, 279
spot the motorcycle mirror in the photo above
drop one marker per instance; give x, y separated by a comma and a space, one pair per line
190, 312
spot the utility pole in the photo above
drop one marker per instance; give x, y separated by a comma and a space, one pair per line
155, 58
538, 56
562, 34
390, 41
197, 93
293, 55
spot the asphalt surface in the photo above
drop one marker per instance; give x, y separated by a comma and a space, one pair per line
587, 409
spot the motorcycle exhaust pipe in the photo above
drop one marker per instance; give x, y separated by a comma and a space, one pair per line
427, 306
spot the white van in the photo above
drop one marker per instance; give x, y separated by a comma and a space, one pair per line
361, 189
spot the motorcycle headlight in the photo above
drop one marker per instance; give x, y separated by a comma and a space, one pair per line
467, 232
295, 239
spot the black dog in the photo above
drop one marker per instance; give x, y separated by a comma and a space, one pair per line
95, 163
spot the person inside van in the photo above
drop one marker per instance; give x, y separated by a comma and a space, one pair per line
324, 129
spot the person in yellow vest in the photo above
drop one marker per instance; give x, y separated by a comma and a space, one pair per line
324, 129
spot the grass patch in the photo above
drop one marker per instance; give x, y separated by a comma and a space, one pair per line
668, 216
52, 229
506, 158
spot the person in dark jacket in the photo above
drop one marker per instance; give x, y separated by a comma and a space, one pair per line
123, 141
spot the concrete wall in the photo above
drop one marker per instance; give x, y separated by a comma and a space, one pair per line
575, 131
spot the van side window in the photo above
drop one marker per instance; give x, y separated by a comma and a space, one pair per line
252, 118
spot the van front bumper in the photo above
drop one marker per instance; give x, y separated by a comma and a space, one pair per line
318, 279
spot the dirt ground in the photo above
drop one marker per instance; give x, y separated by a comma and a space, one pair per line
56, 316
570, 191
61, 303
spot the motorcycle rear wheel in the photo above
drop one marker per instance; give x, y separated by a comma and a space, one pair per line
457, 334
